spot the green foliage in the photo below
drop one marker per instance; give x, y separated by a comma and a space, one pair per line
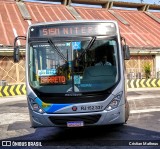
147, 70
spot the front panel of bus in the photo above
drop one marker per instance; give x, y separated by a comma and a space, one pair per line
75, 74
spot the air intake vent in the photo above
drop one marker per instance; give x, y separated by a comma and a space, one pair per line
62, 120
23, 9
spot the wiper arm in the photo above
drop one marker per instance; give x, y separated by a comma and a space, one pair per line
57, 50
91, 42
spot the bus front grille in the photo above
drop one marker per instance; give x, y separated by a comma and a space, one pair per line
62, 120
81, 99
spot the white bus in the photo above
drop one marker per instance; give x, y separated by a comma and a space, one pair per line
75, 74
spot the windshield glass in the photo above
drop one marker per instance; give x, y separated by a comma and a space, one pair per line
79, 65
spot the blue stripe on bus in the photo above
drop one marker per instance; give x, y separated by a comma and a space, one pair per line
50, 108
56, 107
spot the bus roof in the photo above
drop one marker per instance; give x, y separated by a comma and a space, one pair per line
73, 21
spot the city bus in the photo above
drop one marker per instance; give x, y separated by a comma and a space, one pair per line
67, 82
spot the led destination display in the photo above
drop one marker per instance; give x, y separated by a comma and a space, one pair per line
53, 80
79, 29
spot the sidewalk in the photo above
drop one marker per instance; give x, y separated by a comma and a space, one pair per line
144, 89
12, 98
143, 93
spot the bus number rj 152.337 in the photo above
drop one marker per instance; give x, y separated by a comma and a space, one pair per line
91, 108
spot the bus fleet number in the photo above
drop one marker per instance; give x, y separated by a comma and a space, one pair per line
91, 108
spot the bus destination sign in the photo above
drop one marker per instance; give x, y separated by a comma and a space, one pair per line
73, 30
53, 80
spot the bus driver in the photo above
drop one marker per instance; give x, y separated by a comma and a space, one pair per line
103, 62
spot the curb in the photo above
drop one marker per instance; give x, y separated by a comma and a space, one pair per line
143, 89
143, 83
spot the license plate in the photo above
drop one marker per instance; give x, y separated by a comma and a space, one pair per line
75, 124
92, 108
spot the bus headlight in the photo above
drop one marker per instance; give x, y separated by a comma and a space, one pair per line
115, 102
35, 107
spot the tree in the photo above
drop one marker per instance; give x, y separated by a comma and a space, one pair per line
147, 70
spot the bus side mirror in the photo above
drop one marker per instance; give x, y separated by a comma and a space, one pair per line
126, 52
16, 54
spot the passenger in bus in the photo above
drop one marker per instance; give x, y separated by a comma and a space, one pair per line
103, 62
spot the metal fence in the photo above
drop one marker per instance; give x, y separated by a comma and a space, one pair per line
10, 72
133, 73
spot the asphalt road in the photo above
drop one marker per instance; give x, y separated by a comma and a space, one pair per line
143, 126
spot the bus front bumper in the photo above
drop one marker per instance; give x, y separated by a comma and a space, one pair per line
115, 116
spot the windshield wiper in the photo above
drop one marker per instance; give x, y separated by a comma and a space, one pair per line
57, 50
91, 42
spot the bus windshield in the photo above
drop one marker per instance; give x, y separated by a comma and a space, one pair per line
64, 65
